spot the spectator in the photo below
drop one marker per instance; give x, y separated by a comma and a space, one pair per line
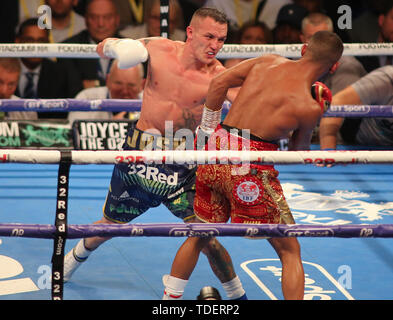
9, 77
28, 9
120, 84
40, 77
152, 25
349, 68
102, 21
310, 5
374, 88
385, 34
348, 71
252, 32
365, 27
288, 24
333, 9
240, 11
13, 13
65, 21
131, 12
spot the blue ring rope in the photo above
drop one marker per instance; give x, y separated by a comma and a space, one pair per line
200, 230
134, 105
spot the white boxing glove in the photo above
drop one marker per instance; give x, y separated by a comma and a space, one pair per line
128, 52
210, 119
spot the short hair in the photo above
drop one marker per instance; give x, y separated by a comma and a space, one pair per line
89, 2
10, 64
213, 13
316, 19
325, 47
139, 66
257, 24
28, 23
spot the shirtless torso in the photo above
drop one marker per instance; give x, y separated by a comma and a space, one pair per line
274, 100
174, 91
178, 76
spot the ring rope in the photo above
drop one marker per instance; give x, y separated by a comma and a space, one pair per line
134, 105
229, 51
199, 230
65, 105
199, 157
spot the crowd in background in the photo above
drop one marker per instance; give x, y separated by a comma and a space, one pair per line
251, 22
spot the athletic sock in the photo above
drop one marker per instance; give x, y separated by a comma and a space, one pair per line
174, 288
234, 289
81, 253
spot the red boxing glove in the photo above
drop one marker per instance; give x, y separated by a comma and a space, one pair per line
322, 94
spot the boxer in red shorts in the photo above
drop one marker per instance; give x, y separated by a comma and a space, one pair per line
274, 103
246, 193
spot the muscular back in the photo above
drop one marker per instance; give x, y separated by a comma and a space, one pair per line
173, 91
274, 100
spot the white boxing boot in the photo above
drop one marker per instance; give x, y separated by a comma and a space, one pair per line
74, 259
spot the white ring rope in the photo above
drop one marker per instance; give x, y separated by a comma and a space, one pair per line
199, 157
229, 51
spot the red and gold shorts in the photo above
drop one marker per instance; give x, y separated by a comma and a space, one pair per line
244, 193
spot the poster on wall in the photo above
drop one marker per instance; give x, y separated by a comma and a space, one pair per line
100, 135
35, 135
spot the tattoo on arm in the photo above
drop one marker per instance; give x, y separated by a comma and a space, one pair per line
189, 119
147, 40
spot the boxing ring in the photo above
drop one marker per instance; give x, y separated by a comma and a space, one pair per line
57, 195
343, 201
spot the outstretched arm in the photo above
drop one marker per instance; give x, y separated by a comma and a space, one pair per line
101, 45
217, 93
230, 78
128, 52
